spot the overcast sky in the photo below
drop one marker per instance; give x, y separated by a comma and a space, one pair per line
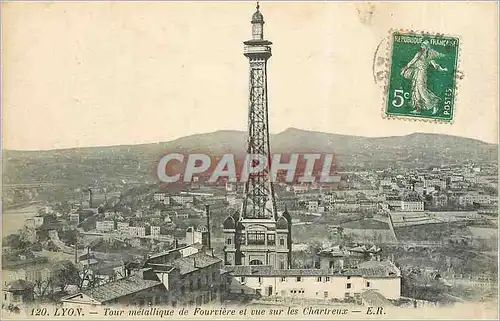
93, 74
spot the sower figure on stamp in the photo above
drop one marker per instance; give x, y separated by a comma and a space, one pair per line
416, 72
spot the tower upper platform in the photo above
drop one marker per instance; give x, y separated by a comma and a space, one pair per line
257, 47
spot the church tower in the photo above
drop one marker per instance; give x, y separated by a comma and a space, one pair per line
258, 234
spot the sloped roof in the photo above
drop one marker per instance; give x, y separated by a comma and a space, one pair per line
229, 223
268, 270
257, 17
378, 269
197, 246
282, 223
194, 262
374, 298
114, 290
249, 269
22, 264
19, 285
370, 269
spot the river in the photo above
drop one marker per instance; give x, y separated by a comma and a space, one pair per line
13, 220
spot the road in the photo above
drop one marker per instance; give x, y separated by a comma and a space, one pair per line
416, 244
391, 227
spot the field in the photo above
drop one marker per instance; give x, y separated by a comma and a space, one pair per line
484, 233
430, 232
370, 235
359, 230
310, 233
401, 219
366, 224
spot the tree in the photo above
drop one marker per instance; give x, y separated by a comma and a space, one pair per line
69, 237
492, 191
65, 273
36, 247
88, 278
51, 246
15, 241
312, 251
42, 287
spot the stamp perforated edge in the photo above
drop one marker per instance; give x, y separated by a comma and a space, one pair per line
456, 78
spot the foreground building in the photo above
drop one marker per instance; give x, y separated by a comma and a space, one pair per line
326, 284
184, 276
18, 293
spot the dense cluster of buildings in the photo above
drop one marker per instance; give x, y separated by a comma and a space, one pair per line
407, 191
183, 276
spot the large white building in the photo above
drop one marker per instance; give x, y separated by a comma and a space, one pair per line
122, 227
435, 182
474, 197
183, 199
74, 218
196, 235
155, 231
343, 205
412, 206
381, 276
105, 226
313, 206
137, 231
162, 198
328, 198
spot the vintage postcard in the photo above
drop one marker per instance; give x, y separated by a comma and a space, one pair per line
236, 160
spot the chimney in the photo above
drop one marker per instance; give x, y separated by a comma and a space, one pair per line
127, 269
76, 250
90, 198
176, 243
123, 272
207, 209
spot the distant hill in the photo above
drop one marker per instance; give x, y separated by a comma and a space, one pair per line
138, 162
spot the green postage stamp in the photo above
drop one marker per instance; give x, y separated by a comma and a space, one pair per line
421, 80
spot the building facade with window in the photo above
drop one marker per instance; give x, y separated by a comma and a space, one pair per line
18, 293
265, 241
383, 277
105, 226
170, 278
31, 270
412, 206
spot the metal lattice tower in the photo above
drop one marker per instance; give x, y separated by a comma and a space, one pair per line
258, 199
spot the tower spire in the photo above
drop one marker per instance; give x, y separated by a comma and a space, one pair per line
257, 24
257, 235
258, 198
